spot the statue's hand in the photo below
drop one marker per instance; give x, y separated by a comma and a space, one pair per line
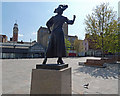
74, 17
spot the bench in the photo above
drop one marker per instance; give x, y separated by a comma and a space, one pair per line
93, 62
110, 60
118, 59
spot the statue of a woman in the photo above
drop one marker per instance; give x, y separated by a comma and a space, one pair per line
56, 46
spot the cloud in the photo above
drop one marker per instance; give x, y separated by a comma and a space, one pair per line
34, 33
20, 35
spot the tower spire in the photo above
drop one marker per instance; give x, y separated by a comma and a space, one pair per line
16, 21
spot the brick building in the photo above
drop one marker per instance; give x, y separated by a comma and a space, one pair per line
92, 50
3, 38
15, 33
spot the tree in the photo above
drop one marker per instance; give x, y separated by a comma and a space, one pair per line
102, 26
68, 45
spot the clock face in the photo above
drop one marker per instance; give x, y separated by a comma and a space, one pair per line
16, 26
15, 31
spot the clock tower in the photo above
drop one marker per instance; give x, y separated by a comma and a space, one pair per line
15, 33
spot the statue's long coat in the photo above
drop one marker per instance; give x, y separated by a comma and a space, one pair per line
56, 46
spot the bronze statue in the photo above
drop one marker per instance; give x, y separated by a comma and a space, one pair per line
56, 46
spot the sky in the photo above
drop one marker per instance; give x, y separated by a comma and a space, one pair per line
30, 15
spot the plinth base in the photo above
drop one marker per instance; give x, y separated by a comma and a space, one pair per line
51, 66
46, 81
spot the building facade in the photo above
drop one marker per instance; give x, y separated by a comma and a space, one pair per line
92, 50
3, 38
84, 47
21, 50
81, 47
65, 30
71, 39
43, 36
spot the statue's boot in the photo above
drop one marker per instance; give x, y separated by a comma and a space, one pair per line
60, 61
45, 60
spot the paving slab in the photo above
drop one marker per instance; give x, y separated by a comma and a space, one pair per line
16, 76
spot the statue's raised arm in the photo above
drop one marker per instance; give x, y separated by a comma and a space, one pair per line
70, 21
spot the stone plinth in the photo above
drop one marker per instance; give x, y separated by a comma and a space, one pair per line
46, 81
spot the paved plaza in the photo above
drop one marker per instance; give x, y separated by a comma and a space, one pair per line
16, 76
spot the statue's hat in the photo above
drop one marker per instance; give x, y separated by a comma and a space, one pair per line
60, 8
